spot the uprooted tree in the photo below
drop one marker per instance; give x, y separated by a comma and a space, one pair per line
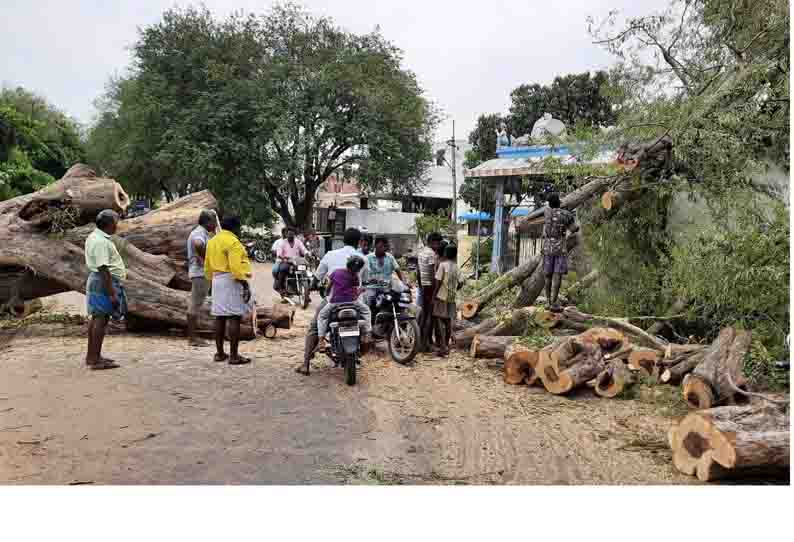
41, 249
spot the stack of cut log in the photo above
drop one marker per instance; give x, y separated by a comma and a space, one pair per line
36, 262
733, 442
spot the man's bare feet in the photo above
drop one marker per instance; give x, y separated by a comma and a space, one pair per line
239, 360
102, 364
220, 357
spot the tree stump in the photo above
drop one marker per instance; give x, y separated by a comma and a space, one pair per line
518, 364
613, 380
709, 384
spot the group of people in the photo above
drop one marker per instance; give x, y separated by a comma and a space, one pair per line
217, 261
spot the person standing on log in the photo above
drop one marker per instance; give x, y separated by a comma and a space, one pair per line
333, 260
199, 285
426, 276
226, 263
105, 296
556, 222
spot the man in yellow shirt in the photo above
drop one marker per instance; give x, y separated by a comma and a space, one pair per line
105, 296
226, 264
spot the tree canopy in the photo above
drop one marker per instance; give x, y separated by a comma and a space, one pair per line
38, 143
263, 110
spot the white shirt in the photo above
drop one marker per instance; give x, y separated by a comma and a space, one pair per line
276, 244
337, 259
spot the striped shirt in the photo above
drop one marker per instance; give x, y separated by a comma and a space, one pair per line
426, 263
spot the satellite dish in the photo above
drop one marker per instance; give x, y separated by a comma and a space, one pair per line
547, 126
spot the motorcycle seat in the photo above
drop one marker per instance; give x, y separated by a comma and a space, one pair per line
344, 311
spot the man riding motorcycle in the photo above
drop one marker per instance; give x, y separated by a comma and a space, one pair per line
286, 253
333, 260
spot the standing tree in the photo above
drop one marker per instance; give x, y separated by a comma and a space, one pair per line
343, 103
262, 110
579, 98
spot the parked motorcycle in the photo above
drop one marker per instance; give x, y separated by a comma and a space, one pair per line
256, 249
392, 321
298, 283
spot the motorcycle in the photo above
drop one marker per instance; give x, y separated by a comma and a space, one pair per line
298, 283
344, 339
392, 321
256, 249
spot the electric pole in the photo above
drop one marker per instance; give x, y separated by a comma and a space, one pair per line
451, 143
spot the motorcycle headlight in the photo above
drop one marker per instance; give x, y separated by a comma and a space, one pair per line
405, 297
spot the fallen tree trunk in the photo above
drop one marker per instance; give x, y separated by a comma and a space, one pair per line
484, 346
49, 261
471, 307
732, 442
589, 279
162, 231
715, 379
569, 365
592, 188
512, 323
530, 288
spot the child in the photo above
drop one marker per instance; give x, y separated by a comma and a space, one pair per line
444, 309
344, 289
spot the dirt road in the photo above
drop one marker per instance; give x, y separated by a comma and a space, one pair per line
170, 415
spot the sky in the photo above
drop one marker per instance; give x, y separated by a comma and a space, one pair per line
467, 55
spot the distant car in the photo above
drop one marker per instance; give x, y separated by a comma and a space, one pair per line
137, 208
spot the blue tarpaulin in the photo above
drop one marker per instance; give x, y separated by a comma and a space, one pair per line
519, 211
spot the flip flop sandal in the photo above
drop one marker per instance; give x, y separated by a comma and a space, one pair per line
220, 357
102, 365
241, 360
301, 370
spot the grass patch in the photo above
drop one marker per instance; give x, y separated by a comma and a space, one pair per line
43, 318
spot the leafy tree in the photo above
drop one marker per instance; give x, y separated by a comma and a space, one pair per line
579, 98
262, 110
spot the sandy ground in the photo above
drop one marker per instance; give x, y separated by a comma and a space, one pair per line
170, 415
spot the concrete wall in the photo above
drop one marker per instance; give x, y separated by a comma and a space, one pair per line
381, 222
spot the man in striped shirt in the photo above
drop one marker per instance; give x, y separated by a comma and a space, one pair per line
426, 275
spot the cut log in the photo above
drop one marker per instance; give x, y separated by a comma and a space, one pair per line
485, 346
472, 306
589, 364
517, 364
610, 340
613, 380
639, 335
732, 442
644, 360
709, 384
685, 364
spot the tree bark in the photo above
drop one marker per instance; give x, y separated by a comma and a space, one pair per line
484, 346
579, 196
658, 326
531, 288
163, 231
576, 288
732, 442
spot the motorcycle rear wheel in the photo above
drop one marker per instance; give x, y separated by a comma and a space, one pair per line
350, 369
260, 255
307, 298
